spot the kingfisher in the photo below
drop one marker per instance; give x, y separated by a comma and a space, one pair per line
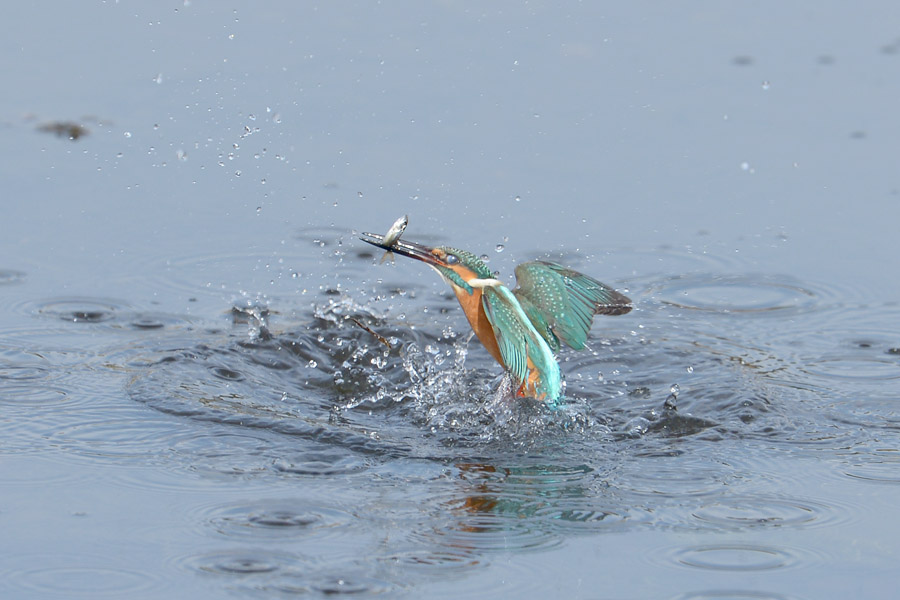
520, 328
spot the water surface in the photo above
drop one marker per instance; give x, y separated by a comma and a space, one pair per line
189, 406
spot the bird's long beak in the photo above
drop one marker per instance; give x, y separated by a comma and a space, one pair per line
410, 249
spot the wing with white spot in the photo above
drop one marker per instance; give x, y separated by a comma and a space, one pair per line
562, 303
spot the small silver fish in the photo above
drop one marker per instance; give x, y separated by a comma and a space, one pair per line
393, 234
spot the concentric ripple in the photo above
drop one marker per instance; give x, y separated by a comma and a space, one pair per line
734, 557
277, 519
750, 512
78, 309
29, 394
734, 294
855, 368
24, 372
881, 467
347, 583
848, 344
150, 321
676, 480
243, 562
77, 576
97, 435
227, 452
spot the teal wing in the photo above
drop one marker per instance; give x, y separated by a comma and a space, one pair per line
562, 303
518, 341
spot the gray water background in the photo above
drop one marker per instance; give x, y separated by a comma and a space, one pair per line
186, 411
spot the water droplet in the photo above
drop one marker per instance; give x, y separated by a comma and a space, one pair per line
237, 173
127, 134
690, 369
499, 248
671, 402
518, 198
181, 155
312, 364
637, 427
485, 258
674, 389
766, 85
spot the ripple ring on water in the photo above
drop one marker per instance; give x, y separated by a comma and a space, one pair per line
273, 519
741, 512
241, 562
69, 576
734, 557
77, 309
734, 294
857, 369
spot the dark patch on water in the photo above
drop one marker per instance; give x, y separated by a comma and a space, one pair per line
65, 129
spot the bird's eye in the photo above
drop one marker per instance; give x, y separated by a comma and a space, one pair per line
452, 259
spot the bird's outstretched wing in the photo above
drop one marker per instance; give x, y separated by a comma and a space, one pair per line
561, 303
525, 354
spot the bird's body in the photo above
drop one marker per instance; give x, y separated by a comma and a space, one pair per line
521, 328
